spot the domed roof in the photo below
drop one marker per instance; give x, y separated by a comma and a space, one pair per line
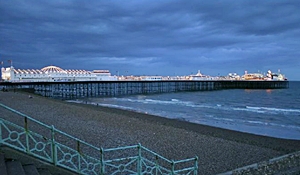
52, 69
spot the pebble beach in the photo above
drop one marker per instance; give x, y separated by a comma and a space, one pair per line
218, 150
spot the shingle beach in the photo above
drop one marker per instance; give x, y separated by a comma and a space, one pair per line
218, 150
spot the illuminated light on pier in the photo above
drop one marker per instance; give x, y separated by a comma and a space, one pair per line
54, 73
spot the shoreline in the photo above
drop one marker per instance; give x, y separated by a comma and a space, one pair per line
233, 135
219, 150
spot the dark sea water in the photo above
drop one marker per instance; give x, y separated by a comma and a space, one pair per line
269, 112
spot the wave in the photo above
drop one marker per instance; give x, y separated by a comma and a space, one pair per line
261, 110
273, 124
118, 107
74, 101
105, 105
251, 122
249, 110
152, 101
284, 110
273, 109
175, 100
255, 108
233, 123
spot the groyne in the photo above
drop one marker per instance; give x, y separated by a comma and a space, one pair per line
118, 88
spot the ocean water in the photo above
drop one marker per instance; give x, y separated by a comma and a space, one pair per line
270, 112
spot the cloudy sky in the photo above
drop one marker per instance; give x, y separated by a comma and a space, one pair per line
148, 37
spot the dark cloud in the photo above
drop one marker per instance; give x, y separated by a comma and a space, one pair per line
143, 37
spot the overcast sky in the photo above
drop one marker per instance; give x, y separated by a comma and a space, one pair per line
149, 37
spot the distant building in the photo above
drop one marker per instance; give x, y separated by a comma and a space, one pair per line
53, 73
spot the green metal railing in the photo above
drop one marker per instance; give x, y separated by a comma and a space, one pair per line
64, 150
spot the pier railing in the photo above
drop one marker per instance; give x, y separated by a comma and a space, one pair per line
49, 144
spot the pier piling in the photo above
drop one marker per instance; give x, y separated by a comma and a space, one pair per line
69, 90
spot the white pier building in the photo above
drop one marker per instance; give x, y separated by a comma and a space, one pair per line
54, 73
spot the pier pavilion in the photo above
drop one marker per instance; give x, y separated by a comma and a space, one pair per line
53, 74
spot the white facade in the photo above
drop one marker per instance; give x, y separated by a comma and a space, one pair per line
199, 76
53, 73
151, 78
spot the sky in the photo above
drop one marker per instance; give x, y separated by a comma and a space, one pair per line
148, 37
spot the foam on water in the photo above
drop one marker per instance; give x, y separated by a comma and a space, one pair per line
105, 105
257, 112
255, 127
261, 110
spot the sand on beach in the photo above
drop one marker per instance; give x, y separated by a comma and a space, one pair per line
218, 150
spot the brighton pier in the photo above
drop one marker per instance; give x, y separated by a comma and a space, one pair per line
55, 82
69, 90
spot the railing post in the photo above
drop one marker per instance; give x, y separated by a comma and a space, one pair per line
26, 134
196, 166
156, 165
173, 167
139, 163
79, 156
54, 151
1, 139
102, 163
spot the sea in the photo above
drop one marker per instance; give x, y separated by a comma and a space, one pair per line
267, 112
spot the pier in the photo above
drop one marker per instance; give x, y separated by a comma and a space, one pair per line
69, 90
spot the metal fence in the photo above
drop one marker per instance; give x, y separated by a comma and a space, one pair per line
61, 149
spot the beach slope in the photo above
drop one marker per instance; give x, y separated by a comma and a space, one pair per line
218, 150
